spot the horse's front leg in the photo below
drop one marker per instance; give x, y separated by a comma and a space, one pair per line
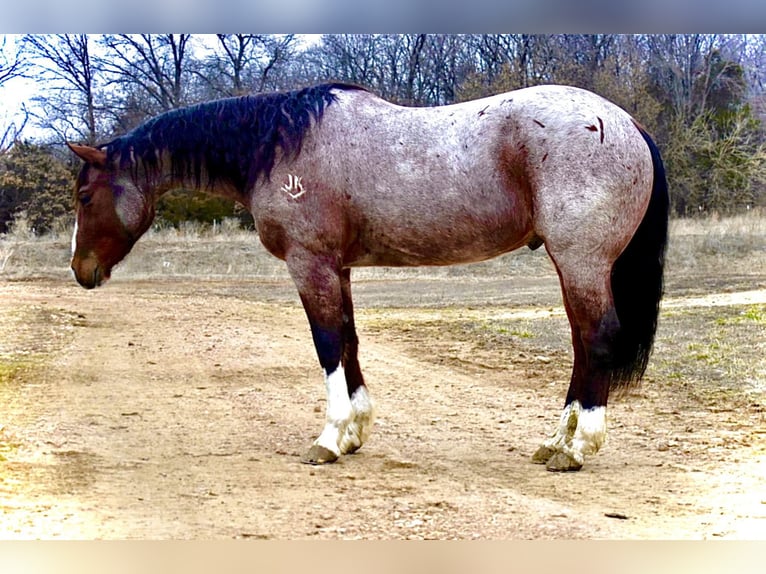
363, 411
325, 292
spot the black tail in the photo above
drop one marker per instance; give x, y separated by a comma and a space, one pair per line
637, 283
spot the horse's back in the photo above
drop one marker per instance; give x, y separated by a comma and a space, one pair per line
533, 140
469, 181
420, 186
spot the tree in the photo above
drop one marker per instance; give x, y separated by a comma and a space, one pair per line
716, 163
33, 180
153, 72
69, 106
409, 69
247, 63
352, 58
179, 205
714, 144
11, 66
401, 59
700, 95
447, 64
754, 63
505, 62
578, 59
623, 77
693, 73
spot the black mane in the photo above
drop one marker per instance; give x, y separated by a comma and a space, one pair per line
232, 139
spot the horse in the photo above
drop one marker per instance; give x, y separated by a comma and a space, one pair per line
337, 178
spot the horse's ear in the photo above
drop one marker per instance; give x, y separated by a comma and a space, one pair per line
89, 154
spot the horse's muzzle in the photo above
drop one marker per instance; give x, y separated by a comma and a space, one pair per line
88, 272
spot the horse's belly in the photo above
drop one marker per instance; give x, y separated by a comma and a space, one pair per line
393, 257
422, 241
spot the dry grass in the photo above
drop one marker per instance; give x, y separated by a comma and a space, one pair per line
717, 242
223, 251
717, 246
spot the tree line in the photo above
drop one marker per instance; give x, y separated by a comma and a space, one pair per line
700, 95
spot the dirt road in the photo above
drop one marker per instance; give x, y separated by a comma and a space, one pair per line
178, 409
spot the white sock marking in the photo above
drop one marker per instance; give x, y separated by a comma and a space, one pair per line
360, 426
591, 430
339, 411
581, 431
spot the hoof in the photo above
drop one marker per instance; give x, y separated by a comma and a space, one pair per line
318, 455
562, 462
353, 448
351, 442
543, 455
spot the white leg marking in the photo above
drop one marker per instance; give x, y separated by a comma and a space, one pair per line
74, 238
567, 426
581, 431
591, 431
360, 426
339, 411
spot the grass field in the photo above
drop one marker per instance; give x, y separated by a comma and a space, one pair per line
733, 244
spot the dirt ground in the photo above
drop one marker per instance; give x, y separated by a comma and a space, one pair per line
178, 409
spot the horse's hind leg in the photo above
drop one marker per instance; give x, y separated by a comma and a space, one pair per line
324, 290
594, 324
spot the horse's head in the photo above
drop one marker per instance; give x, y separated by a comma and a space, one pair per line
112, 212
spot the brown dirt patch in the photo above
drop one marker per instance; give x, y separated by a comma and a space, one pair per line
178, 409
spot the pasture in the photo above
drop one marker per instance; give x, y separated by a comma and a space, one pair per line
175, 401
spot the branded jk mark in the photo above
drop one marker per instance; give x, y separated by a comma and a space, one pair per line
293, 187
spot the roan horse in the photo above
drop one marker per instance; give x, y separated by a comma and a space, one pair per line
336, 178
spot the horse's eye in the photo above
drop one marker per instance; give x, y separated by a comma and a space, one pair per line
84, 200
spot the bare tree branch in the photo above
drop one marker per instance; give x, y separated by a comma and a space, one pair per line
155, 63
65, 62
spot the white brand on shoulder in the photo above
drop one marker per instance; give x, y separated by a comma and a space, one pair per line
293, 187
